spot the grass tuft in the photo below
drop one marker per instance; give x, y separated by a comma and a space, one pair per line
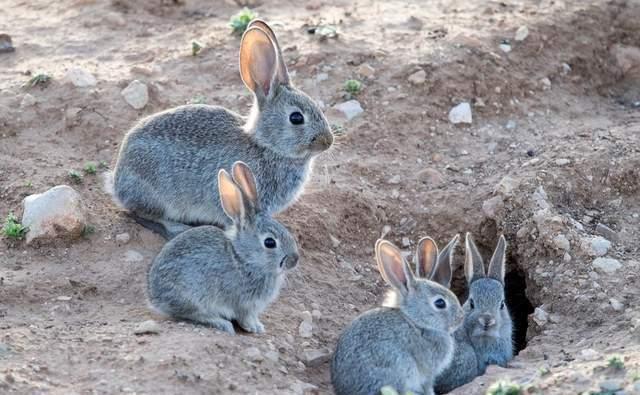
241, 20
13, 229
352, 87
504, 387
75, 176
39, 79
90, 168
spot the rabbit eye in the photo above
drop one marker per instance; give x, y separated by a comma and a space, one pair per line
269, 242
471, 304
502, 305
440, 303
296, 118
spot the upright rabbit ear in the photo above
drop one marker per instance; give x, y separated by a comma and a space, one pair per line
393, 267
259, 63
283, 73
426, 257
473, 264
444, 268
496, 266
243, 176
231, 197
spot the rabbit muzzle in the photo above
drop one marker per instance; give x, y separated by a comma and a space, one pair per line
289, 261
321, 142
486, 325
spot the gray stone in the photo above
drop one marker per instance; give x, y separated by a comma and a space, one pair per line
136, 94
540, 316
149, 327
6, 45
561, 242
606, 232
611, 385
55, 214
506, 48
616, 304
562, 161
522, 33
28, 100
607, 265
313, 358
123, 238
253, 354
306, 326
80, 78
506, 186
600, 246
492, 206
418, 78
350, 109
133, 256
366, 70
461, 114
589, 354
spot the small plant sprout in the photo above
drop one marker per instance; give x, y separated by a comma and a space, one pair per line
103, 165
90, 168
240, 21
28, 184
199, 99
88, 230
196, 47
353, 87
543, 371
615, 363
75, 176
39, 79
12, 228
635, 376
504, 387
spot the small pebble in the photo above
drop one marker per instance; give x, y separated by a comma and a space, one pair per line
6, 45
123, 238
521, 33
461, 114
254, 354
147, 327
418, 78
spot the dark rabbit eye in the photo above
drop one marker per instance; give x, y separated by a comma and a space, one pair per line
296, 118
440, 303
471, 304
502, 305
269, 242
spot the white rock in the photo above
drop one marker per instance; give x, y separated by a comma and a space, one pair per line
366, 70
28, 100
350, 109
63, 298
136, 94
322, 77
314, 358
562, 161
521, 33
80, 78
147, 327
302, 388
406, 242
56, 213
566, 69
418, 78
335, 242
616, 304
123, 238
506, 48
306, 326
600, 246
589, 354
561, 242
540, 316
546, 83
133, 256
394, 180
506, 186
607, 265
461, 114
253, 354
492, 206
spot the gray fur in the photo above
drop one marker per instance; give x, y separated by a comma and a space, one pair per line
167, 164
478, 345
405, 344
214, 276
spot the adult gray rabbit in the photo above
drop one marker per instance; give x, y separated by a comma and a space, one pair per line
485, 337
406, 343
167, 164
213, 276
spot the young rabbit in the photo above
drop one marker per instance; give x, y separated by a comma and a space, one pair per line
213, 276
405, 344
166, 167
485, 336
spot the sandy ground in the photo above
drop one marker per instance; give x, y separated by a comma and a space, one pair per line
68, 311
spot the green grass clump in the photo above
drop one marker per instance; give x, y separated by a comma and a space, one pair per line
13, 229
504, 387
240, 21
88, 230
39, 79
75, 176
615, 363
353, 86
103, 165
90, 168
543, 371
196, 47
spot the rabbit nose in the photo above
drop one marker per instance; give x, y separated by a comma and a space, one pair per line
487, 321
292, 260
322, 141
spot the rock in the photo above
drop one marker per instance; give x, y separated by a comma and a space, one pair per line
598, 246
394, 180
350, 109
406, 242
334, 241
506, 186
136, 94
149, 327
5, 350
521, 33
627, 58
561, 242
80, 78
566, 69
606, 265
611, 386
133, 256
589, 354
302, 388
366, 70
418, 78
616, 304
306, 326
562, 161
540, 316
27, 100
63, 298
546, 83
492, 206
272, 355
123, 238
461, 114
253, 354
6, 45
606, 232
506, 48
511, 124
313, 358
322, 77
55, 214
316, 314
414, 23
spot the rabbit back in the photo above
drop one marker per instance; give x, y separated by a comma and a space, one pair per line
381, 348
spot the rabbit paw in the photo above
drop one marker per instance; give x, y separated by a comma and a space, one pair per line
252, 325
222, 325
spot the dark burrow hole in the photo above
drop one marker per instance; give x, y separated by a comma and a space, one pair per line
519, 305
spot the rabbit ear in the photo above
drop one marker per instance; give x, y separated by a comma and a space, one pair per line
393, 267
283, 73
231, 197
426, 257
443, 271
496, 266
473, 264
258, 62
243, 176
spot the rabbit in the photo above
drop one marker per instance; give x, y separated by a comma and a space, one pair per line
213, 276
166, 165
485, 338
407, 342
